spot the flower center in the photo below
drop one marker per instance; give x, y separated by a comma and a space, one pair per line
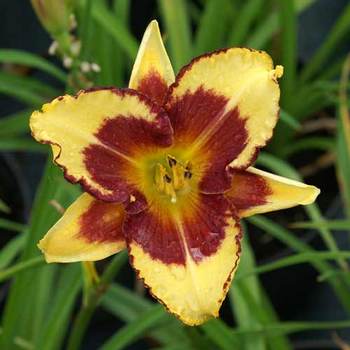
172, 179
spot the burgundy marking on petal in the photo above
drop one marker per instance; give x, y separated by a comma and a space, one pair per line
107, 169
192, 115
136, 203
158, 234
124, 137
247, 190
205, 229
102, 222
154, 87
128, 135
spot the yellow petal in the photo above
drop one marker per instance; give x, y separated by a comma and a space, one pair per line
89, 230
98, 134
186, 258
152, 72
230, 94
254, 191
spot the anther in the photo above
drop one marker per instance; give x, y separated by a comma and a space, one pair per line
187, 174
167, 178
172, 161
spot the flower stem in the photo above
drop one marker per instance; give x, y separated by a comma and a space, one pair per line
93, 298
91, 278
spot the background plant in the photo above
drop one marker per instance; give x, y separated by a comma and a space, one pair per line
52, 306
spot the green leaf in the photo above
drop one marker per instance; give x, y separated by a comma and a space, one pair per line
321, 143
11, 250
124, 304
337, 34
85, 28
207, 39
102, 46
120, 63
31, 60
308, 100
21, 343
28, 90
11, 225
220, 334
277, 165
127, 305
61, 308
253, 308
341, 225
122, 10
24, 144
198, 339
289, 50
107, 54
248, 12
242, 307
293, 260
118, 31
343, 138
92, 299
302, 5
16, 123
177, 24
287, 237
21, 266
27, 285
136, 329
264, 31
293, 327
332, 70
171, 347
279, 232
4, 208
269, 25
289, 120
312, 210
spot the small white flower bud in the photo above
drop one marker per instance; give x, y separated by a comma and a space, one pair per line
67, 61
85, 67
75, 48
95, 68
53, 48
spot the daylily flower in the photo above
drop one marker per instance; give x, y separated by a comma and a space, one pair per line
166, 166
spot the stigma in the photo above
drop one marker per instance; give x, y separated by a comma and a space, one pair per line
172, 177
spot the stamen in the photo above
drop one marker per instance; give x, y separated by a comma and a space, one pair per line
170, 191
172, 161
188, 174
178, 176
188, 171
172, 180
160, 172
167, 178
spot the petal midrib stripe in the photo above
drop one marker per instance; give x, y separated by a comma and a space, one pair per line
223, 114
93, 140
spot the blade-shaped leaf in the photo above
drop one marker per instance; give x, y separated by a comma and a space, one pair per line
31, 60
